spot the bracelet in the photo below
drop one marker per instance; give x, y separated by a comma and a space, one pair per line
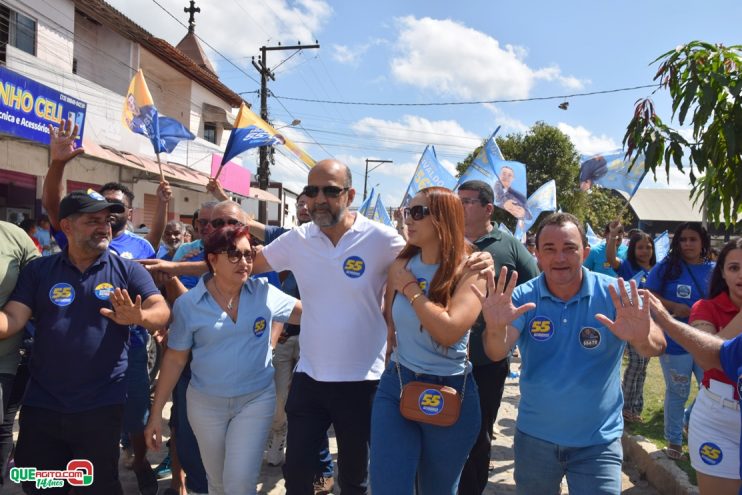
414, 298
405, 286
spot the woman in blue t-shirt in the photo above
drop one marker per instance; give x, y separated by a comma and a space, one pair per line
639, 261
680, 280
429, 308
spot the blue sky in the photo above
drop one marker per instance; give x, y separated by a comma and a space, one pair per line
432, 51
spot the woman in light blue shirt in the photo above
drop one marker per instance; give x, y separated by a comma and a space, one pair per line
224, 323
430, 308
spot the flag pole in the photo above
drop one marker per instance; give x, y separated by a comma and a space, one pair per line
159, 165
218, 172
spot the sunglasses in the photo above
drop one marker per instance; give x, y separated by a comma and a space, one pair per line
218, 223
416, 212
328, 191
235, 255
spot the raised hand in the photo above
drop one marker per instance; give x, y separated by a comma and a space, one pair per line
481, 261
216, 189
125, 311
632, 318
497, 306
62, 146
164, 192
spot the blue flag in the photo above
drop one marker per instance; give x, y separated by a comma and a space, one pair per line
592, 239
380, 213
612, 172
366, 205
544, 199
504, 228
429, 172
172, 132
245, 138
662, 245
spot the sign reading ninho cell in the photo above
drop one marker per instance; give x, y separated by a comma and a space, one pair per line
28, 107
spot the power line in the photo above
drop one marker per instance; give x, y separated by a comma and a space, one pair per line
478, 102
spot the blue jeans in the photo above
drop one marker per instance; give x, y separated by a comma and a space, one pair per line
231, 433
677, 369
541, 465
403, 450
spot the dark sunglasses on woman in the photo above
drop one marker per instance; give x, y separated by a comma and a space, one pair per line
328, 191
416, 212
235, 255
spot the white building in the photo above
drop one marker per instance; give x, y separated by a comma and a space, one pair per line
90, 51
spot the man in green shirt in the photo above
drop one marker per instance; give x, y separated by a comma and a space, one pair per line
477, 198
16, 250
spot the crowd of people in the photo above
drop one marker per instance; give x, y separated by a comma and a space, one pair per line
400, 340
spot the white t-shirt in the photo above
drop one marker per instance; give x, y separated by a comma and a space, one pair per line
343, 333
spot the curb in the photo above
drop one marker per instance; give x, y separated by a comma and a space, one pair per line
651, 462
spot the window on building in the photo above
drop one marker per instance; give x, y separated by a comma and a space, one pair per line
210, 133
16, 30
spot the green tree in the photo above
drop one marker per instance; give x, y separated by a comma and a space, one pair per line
549, 154
704, 78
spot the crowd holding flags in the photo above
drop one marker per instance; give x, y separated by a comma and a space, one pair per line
140, 116
374, 209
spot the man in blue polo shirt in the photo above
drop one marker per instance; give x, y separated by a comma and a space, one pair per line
569, 417
596, 260
81, 301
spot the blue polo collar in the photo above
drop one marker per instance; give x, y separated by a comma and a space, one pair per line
587, 289
101, 260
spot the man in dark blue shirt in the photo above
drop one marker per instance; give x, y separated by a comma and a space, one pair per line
82, 302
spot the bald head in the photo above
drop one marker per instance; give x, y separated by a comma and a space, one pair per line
229, 209
336, 171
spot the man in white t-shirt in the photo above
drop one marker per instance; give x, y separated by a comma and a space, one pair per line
340, 262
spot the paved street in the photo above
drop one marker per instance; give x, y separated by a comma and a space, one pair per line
501, 477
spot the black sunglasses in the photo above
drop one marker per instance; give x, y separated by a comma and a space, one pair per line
218, 223
328, 191
416, 212
235, 255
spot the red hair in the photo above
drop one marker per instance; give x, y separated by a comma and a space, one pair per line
447, 214
224, 239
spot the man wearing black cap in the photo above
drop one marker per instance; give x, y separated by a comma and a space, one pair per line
83, 301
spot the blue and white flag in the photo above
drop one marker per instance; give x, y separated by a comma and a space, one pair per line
482, 167
380, 214
662, 246
544, 199
504, 228
366, 205
429, 172
612, 172
592, 239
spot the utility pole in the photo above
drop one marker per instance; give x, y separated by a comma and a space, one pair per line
262, 66
365, 176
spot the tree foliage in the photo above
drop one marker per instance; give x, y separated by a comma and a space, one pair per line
704, 85
548, 154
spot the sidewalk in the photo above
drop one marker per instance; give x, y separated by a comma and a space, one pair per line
500, 481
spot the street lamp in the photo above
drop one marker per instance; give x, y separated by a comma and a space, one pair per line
293, 123
365, 176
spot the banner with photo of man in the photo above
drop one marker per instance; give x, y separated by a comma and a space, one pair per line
429, 172
612, 172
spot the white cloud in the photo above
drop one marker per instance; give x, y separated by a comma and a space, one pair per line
450, 58
261, 23
508, 123
586, 142
348, 55
446, 135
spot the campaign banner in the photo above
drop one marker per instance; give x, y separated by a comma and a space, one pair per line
612, 171
380, 214
544, 199
429, 173
28, 107
662, 246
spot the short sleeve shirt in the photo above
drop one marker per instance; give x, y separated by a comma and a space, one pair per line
731, 361
79, 356
596, 260
229, 358
16, 251
343, 333
570, 377
684, 289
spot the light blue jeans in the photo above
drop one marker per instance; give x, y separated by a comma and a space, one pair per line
677, 370
541, 465
404, 451
231, 434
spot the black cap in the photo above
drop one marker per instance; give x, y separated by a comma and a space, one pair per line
86, 202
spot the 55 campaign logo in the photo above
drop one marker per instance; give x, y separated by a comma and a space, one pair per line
79, 472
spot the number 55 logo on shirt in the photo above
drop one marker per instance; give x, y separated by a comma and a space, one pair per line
354, 267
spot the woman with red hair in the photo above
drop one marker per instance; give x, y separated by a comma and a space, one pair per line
429, 308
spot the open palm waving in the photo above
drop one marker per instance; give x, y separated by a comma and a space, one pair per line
632, 322
497, 306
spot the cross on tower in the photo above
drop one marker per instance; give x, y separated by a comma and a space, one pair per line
192, 10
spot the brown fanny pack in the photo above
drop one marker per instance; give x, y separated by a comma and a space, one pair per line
438, 405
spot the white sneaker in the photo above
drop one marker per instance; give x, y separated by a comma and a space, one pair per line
274, 453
